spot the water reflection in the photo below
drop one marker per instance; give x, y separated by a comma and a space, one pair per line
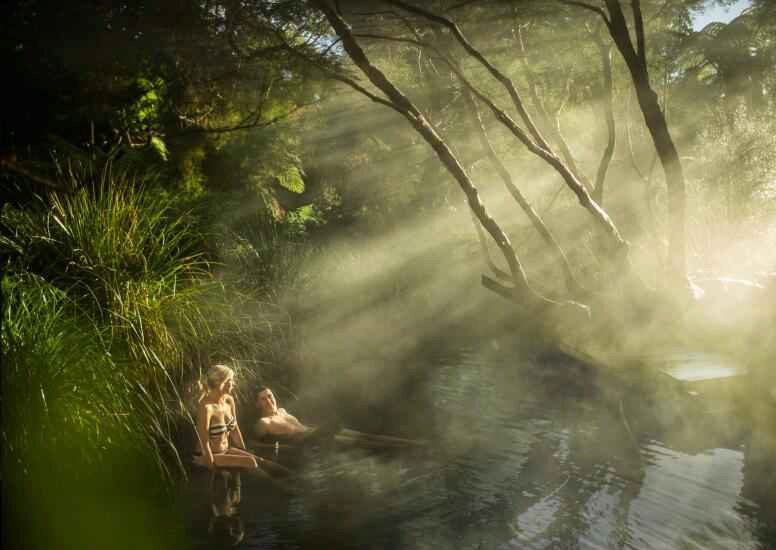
225, 526
520, 458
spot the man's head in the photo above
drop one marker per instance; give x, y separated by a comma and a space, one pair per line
266, 402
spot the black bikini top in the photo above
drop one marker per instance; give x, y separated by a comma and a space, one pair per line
216, 430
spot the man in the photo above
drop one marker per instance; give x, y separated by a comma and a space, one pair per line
277, 422
274, 421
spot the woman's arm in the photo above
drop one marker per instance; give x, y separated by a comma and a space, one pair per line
236, 434
204, 437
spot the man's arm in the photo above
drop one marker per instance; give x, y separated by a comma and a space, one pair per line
294, 421
260, 428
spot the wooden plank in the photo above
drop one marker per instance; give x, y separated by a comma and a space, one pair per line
690, 367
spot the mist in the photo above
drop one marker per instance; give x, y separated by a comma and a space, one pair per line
511, 265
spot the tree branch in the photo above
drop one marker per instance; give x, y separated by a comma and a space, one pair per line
605, 52
446, 156
589, 7
536, 221
476, 54
353, 84
638, 22
553, 130
342, 78
545, 154
498, 272
246, 125
618, 29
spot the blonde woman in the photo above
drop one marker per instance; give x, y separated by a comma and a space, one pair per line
221, 443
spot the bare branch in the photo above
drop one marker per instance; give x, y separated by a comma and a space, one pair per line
353, 84
412, 41
589, 7
618, 29
638, 21
502, 290
460, 5
330, 46
471, 50
553, 130
498, 272
605, 52
552, 200
646, 178
440, 147
536, 221
544, 153
248, 125
340, 77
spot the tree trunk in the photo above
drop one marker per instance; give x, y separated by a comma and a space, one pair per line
521, 292
617, 248
608, 108
635, 59
571, 283
672, 168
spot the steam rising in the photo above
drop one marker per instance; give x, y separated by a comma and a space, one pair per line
386, 301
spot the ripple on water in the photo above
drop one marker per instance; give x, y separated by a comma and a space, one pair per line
513, 465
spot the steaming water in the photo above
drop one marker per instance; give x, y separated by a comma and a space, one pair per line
521, 456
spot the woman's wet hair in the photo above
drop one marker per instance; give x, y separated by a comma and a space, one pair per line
217, 375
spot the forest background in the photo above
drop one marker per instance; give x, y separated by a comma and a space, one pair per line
187, 183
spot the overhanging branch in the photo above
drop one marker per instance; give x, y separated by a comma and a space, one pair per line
589, 7
503, 79
638, 21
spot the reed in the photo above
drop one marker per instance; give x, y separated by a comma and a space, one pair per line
122, 264
64, 395
128, 303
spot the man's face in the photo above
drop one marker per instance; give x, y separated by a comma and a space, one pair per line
266, 401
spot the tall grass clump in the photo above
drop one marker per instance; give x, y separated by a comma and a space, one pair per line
62, 391
130, 266
113, 304
135, 270
73, 448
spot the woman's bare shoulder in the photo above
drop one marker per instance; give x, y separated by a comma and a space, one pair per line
205, 408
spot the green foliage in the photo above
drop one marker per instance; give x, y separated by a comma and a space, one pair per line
76, 427
254, 252
110, 313
291, 179
62, 390
130, 267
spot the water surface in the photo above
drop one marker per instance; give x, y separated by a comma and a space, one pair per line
521, 455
